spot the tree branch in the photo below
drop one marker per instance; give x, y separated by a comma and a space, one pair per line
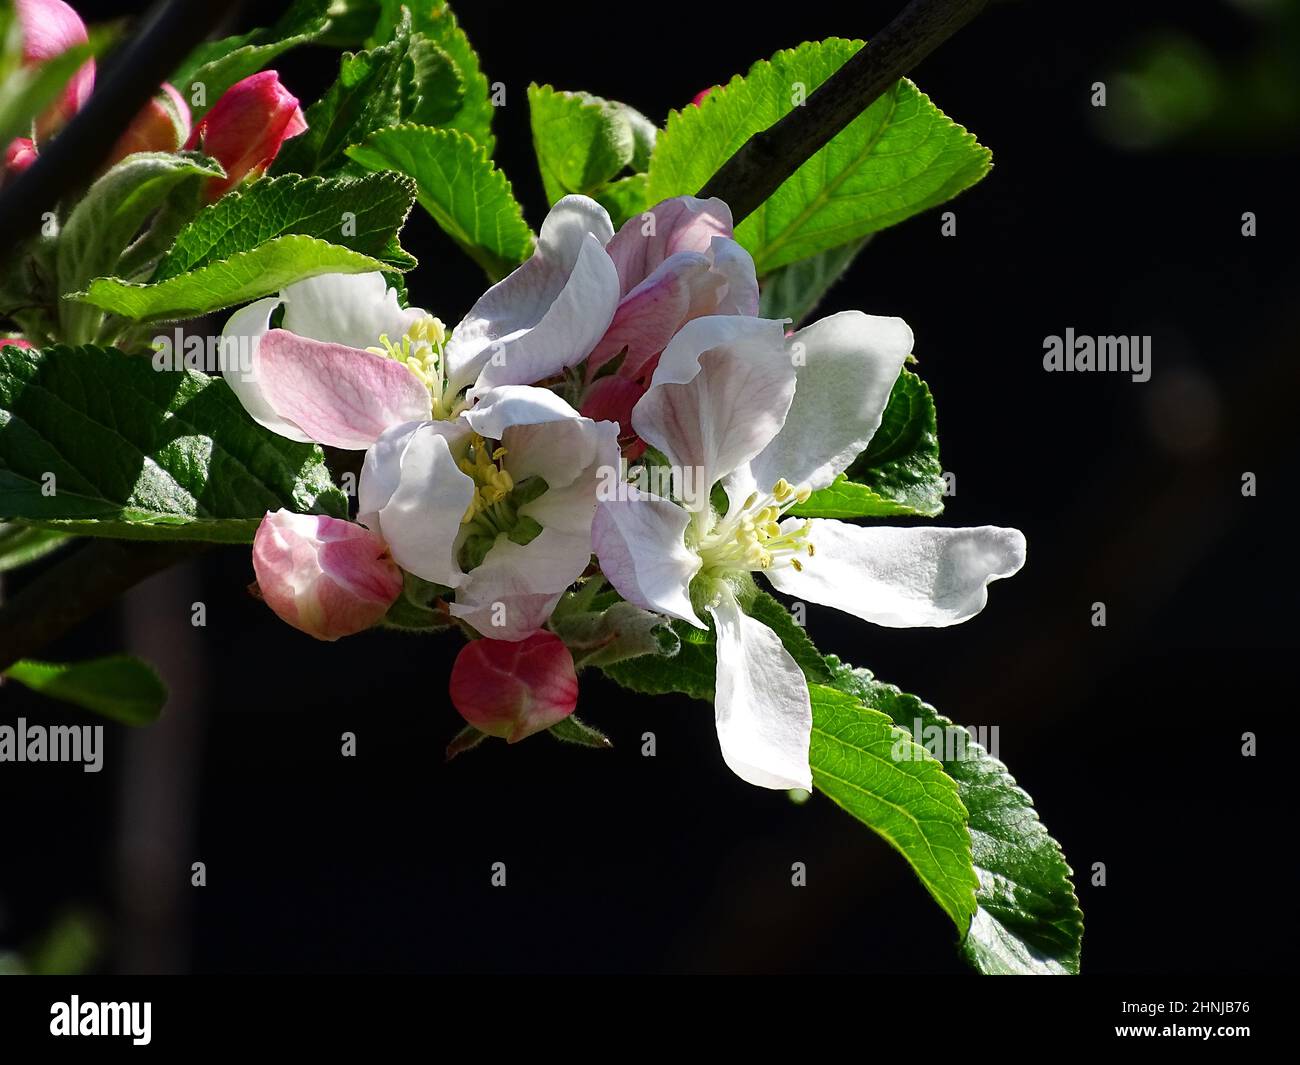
769, 157
77, 587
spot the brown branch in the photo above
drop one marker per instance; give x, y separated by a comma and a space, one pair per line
769, 157
77, 587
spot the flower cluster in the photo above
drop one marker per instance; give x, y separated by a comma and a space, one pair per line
496, 466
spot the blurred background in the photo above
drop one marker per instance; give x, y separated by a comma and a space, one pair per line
1125, 219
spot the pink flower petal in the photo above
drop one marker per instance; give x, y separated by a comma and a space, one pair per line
340, 396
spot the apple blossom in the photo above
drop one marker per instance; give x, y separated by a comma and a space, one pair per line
730, 405
325, 576
334, 374
514, 689
675, 262
496, 505
246, 127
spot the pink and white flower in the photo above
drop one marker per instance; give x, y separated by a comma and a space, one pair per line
735, 402
496, 505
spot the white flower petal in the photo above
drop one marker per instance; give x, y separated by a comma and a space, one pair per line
680, 361
512, 592
413, 495
640, 544
762, 708
349, 309
549, 313
717, 398
511, 405
847, 364
239, 343
902, 578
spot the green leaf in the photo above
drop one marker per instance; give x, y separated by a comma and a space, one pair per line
107, 219
1028, 920
362, 214
217, 65
97, 442
901, 464
690, 671
432, 92
413, 610
794, 290
582, 141
366, 97
625, 198
613, 633
571, 730
118, 687
900, 156
21, 544
874, 771
843, 498
243, 277
457, 183
435, 21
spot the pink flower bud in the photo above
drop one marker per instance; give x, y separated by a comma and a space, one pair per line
325, 576
50, 28
701, 96
15, 342
162, 126
245, 128
20, 154
513, 689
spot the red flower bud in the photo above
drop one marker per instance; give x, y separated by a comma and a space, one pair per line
162, 126
245, 128
325, 576
20, 154
513, 689
49, 28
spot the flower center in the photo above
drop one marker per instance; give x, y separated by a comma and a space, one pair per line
420, 350
494, 509
752, 539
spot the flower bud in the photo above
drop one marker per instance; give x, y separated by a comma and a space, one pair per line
49, 28
325, 576
20, 154
162, 126
245, 128
513, 689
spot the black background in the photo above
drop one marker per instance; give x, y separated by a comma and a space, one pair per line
1128, 737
